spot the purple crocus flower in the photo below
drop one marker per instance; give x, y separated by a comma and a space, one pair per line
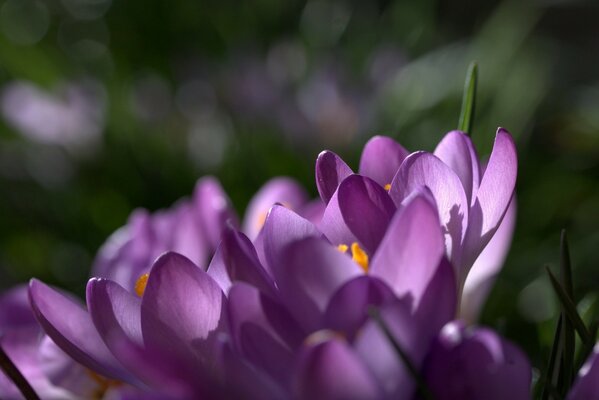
191, 227
470, 364
471, 200
51, 372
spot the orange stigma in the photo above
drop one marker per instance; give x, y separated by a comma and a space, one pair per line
140, 285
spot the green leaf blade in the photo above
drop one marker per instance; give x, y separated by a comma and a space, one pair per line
468, 99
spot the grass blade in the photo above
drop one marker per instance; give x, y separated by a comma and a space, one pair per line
551, 376
423, 391
570, 309
468, 99
567, 326
13, 373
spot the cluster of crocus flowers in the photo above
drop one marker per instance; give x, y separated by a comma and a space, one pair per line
365, 294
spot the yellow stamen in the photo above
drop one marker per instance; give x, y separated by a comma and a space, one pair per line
103, 384
359, 256
343, 248
261, 220
140, 285
323, 335
388, 187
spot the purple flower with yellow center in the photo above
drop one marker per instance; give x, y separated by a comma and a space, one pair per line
473, 201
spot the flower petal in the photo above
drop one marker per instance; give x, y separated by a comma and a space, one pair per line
281, 228
476, 364
424, 169
282, 190
177, 293
409, 255
457, 150
214, 209
331, 370
331, 170
313, 271
486, 267
366, 210
493, 196
75, 335
348, 309
381, 159
242, 263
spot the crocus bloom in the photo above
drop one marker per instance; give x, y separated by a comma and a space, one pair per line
51, 373
191, 227
472, 201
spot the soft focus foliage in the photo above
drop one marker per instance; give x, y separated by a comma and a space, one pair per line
106, 109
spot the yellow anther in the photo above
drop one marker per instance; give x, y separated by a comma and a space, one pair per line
261, 220
140, 285
359, 256
388, 187
323, 335
343, 248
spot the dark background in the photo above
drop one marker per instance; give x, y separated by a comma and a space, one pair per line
111, 105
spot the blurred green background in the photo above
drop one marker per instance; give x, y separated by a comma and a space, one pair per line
111, 105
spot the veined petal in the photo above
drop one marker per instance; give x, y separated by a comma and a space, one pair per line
331, 370
283, 227
381, 159
457, 150
477, 364
331, 170
409, 255
486, 267
366, 209
424, 169
75, 334
177, 293
282, 190
493, 196
313, 271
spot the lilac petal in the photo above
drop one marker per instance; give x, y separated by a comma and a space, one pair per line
331, 370
281, 228
254, 334
438, 304
424, 169
313, 211
187, 236
127, 252
177, 293
457, 150
15, 311
242, 380
214, 209
114, 310
313, 271
348, 309
410, 253
586, 385
367, 209
242, 263
493, 196
333, 226
75, 335
378, 353
218, 271
381, 159
476, 364
282, 190
486, 267
331, 170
